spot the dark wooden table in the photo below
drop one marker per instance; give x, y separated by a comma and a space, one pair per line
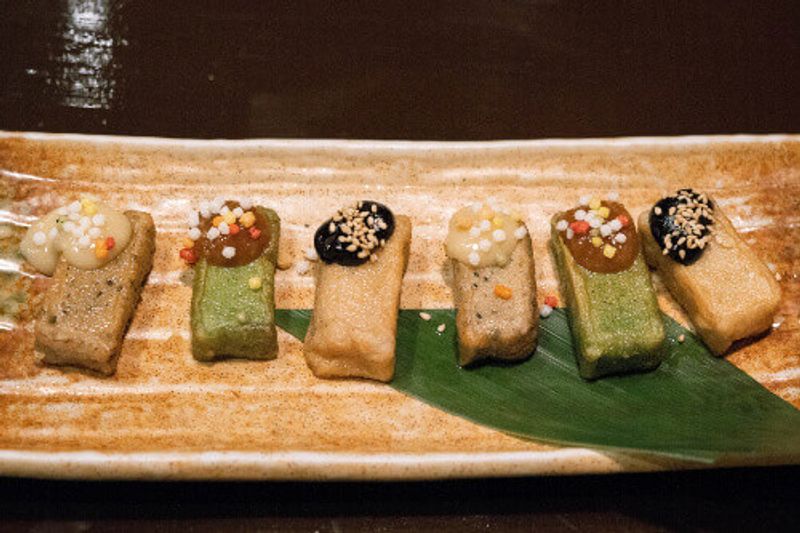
404, 70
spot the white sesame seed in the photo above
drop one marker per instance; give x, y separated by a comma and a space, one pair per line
245, 203
69, 226
615, 225
194, 233
94, 232
585, 199
75, 207
595, 222
562, 225
223, 228
228, 252
425, 316
84, 241
485, 225
192, 217
484, 245
224, 210
474, 232
311, 254
85, 222
53, 233
681, 337
212, 234
657, 210
613, 196
99, 219
61, 211
39, 238
620, 238
474, 258
570, 233
238, 211
605, 230
303, 267
441, 327
521, 231
499, 235
545, 311
580, 214
74, 216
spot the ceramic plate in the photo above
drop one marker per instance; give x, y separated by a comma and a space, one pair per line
163, 415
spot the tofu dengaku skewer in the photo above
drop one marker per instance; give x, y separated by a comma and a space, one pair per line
364, 252
494, 284
727, 291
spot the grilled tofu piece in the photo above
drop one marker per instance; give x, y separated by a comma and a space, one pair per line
489, 325
728, 293
86, 312
354, 325
614, 317
228, 318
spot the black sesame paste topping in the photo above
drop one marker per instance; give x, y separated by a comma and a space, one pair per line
681, 225
354, 234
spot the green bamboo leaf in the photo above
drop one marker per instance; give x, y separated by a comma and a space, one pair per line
693, 407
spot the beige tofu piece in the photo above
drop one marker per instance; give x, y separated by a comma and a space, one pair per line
85, 313
728, 293
354, 324
488, 326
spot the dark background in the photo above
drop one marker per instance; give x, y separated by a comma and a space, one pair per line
462, 69
405, 70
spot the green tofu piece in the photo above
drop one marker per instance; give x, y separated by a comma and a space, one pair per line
228, 318
615, 319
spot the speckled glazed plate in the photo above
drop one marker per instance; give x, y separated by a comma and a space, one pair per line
163, 415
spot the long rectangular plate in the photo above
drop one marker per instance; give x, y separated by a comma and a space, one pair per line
165, 416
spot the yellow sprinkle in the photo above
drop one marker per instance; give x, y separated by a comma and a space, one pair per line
486, 213
217, 220
597, 242
188, 243
100, 250
603, 212
247, 219
88, 207
594, 203
229, 218
497, 221
609, 251
254, 283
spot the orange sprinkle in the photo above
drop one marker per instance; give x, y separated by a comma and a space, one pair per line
110, 243
502, 291
551, 300
623, 220
579, 226
188, 255
233, 229
100, 250
217, 220
188, 243
255, 233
